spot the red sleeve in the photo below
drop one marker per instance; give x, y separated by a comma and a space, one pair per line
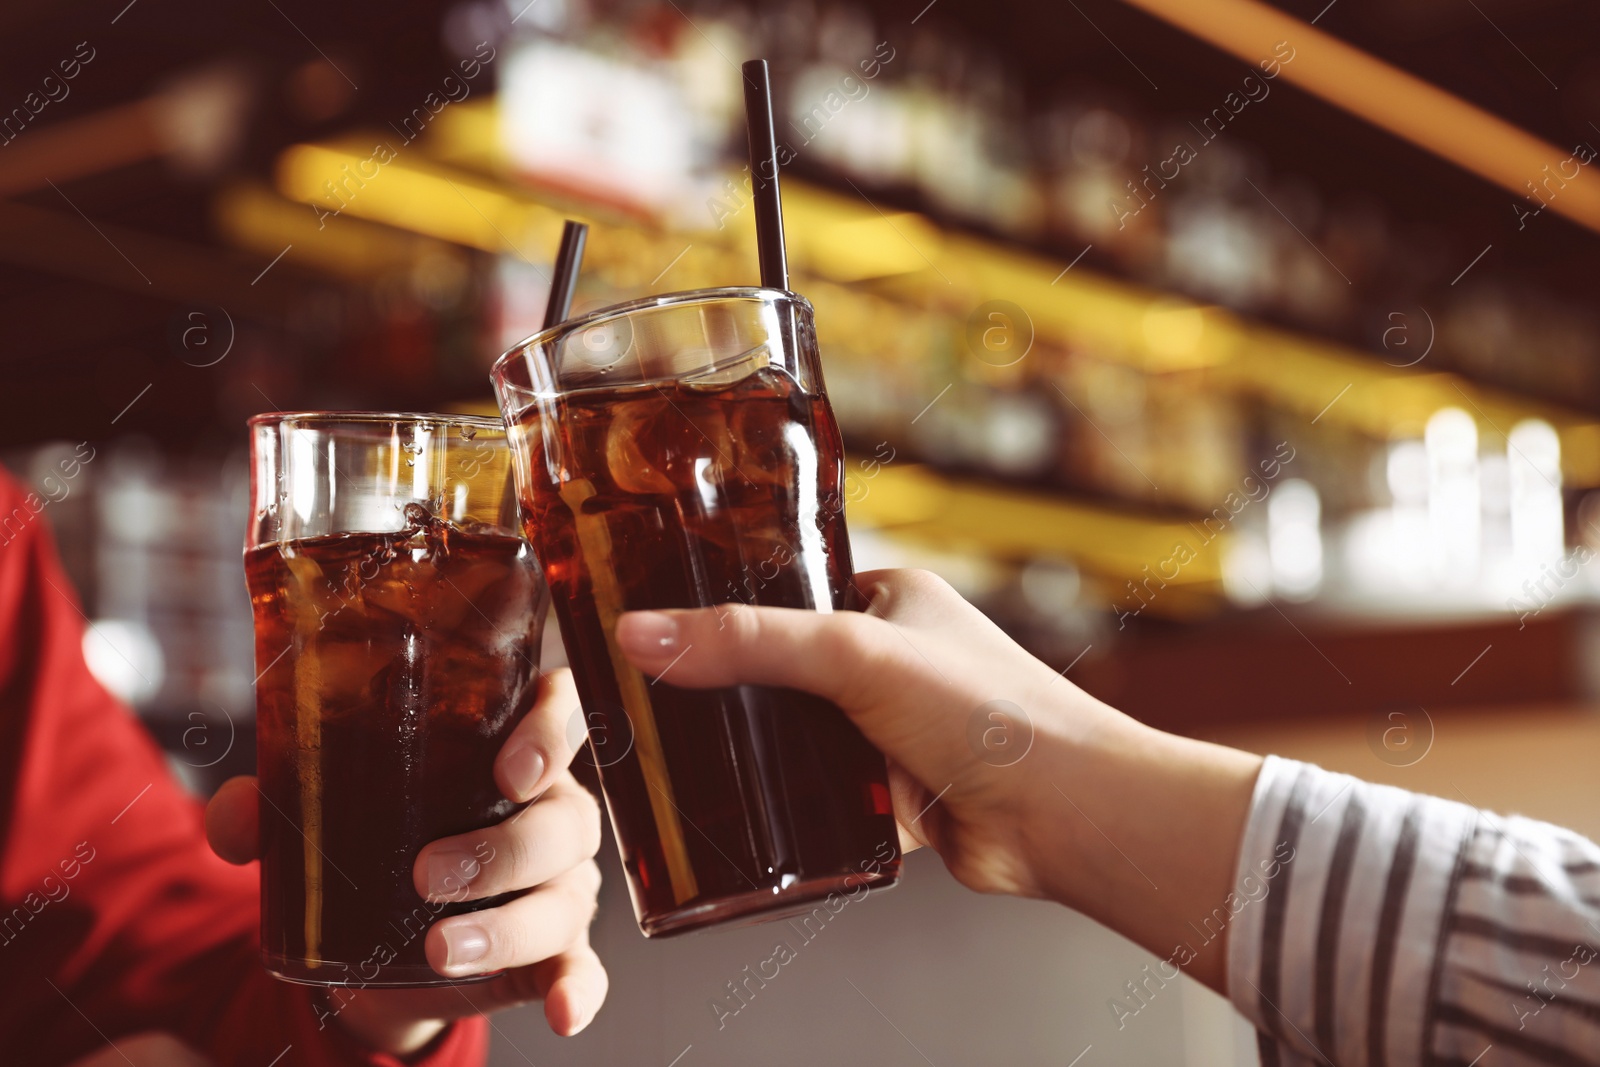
115, 917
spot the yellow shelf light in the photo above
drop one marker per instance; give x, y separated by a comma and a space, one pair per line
912, 501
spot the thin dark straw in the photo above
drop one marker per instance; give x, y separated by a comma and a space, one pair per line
764, 175
568, 261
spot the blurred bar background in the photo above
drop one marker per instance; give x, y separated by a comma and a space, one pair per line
1223, 353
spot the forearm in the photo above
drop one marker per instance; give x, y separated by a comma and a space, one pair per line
1140, 830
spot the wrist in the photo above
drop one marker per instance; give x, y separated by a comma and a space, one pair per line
1087, 769
1138, 829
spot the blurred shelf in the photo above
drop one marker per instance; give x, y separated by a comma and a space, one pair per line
912, 501
896, 290
457, 189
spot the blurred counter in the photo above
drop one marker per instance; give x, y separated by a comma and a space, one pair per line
1535, 759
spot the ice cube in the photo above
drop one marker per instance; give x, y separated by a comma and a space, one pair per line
395, 592
639, 448
311, 595
766, 440
347, 669
458, 593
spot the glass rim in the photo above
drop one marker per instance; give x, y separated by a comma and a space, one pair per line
480, 422
684, 297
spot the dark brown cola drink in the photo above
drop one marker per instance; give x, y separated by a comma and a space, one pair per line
394, 667
727, 803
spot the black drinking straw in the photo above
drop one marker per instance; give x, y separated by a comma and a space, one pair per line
764, 174
568, 260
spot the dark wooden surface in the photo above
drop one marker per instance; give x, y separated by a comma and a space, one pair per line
1268, 667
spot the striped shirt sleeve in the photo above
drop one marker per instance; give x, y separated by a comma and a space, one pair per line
1381, 927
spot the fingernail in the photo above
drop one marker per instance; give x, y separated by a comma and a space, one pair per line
464, 945
648, 633
580, 1015
522, 767
450, 871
